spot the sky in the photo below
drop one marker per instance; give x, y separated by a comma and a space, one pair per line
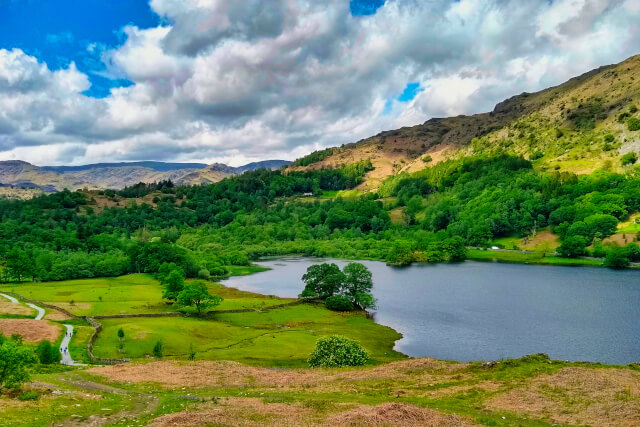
236, 81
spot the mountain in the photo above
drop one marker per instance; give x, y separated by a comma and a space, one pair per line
17, 174
156, 166
582, 125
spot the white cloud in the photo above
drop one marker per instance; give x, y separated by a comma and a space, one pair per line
239, 81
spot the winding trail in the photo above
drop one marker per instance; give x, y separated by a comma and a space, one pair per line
66, 356
10, 298
40, 310
64, 345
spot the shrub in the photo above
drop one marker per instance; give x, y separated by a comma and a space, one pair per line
629, 159
609, 138
336, 351
633, 124
47, 354
573, 246
339, 303
536, 155
28, 395
157, 349
633, 252
617, 257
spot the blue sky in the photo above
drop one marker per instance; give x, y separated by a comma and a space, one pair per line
60, 31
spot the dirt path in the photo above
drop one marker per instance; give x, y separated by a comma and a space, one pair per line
40, 310
10, 298
64, 347
142, 404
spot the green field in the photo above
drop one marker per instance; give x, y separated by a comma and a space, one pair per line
280, 337
527, 258
135, 293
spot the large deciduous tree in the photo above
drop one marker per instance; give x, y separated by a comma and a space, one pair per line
322, 280
196, 294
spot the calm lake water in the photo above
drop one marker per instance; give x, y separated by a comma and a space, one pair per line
489, 311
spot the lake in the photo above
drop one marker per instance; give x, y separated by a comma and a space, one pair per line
489, 311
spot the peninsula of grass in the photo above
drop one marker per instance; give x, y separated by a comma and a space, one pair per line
528, 258
280, 337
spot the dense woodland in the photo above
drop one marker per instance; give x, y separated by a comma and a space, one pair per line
204, 229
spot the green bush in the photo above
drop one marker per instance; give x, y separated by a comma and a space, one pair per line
28, 395
339, 303
633, 124
629, 159
617, 258
158, 349
336, 351
47, 354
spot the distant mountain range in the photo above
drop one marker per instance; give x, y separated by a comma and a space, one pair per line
18, 174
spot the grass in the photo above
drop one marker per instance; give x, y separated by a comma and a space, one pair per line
345, 194
527, 258
134, 293
280, 337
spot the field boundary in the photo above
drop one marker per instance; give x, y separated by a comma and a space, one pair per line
97, 326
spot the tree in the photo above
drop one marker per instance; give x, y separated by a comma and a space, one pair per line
322, 280
19, 264
121, 334
15, 361
196, 294
173, 284
164, 270
400, 254
158, 349
573, 246
337, 351
357, 285
47, 353
617, 257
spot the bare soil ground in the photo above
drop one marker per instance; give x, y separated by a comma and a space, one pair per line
30, 330
598, 397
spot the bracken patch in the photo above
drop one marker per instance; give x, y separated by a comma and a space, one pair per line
578, 396
395, 414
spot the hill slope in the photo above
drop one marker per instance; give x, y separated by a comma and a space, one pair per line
23, 175
579, 126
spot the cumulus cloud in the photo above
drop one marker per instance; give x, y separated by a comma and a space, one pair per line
239, 81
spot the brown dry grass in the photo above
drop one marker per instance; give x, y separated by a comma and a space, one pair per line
621, 239
56, 315
255, 412
30, 330
395, 414
602, 397
541, 238
240, 412
233, 374
8, 307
